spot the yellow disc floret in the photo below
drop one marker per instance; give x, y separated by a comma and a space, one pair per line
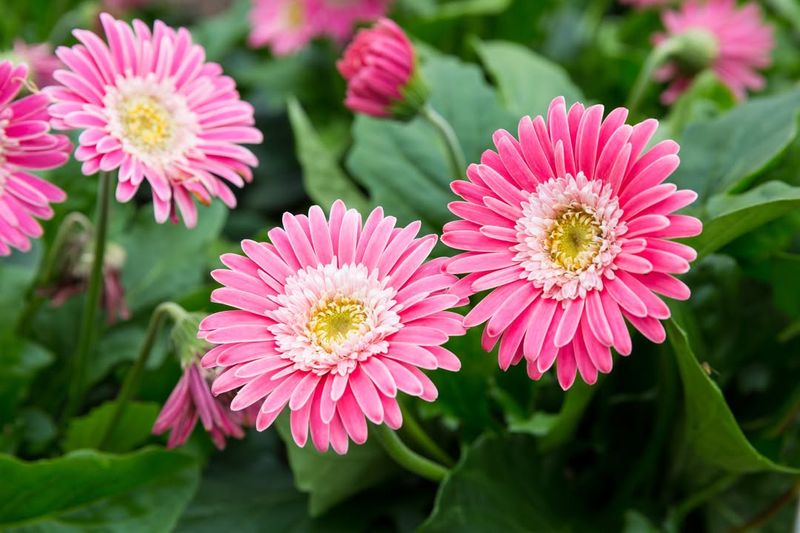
146, 124
334, 320
574, 239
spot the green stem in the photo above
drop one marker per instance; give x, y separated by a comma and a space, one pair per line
35, 300
679, 513
657, 56
412, 428
93, 294
407, 458
134, 375
458, 165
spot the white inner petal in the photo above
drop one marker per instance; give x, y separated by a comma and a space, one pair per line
151, 120
569, 236
330, 318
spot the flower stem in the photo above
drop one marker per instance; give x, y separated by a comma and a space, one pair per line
86, 334
407, 458
48, 265
458, 164
657, 56
415, 431
134, 375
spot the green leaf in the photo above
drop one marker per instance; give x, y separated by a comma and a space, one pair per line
501, 485
92, 491
324, 180
17, 272
220, 33
463, 395
556, 429
727, 153
249, 489
465, 8
404, 165
20, 360
731, 216
132, 430
122, 344
166, 260
527, 81
711, 430
330, 478
705, 99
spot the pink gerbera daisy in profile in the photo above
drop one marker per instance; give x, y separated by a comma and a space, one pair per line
569, 227
339, 18
285, 26
732, 41
190, 401
25, 144
333, 318
151, 108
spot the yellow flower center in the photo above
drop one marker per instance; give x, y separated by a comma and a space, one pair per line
146, 124
333, 321
574, 239
295, 14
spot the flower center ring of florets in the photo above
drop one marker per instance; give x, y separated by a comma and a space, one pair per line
330, 318
334, 321
568, 236
151, 120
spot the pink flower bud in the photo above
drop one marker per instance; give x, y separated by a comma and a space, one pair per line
381, 71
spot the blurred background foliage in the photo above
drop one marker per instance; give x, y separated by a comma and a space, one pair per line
701, 433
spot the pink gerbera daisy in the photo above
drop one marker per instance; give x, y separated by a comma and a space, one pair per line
285, 26
733, 41
569, 228
25, 144
192, 400
152, 108
333, 318
340, 17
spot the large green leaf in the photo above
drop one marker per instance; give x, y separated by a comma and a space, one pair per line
501, 485
527, 81
330, 478
434, 10
165, 260
725, 154
711, 430
91, 491
731, 216
324, 180
132, 430
404, 165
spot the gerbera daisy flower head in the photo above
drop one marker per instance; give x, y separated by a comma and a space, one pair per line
26, 144
380, 67
339, 18
569, 227
152, 109
732, 41
286, 26
332, 318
